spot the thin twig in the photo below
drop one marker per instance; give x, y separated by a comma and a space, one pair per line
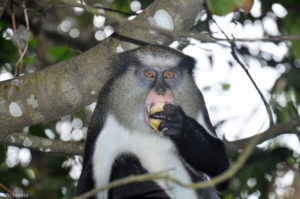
234, 54
265, 39
10, 192
268, 109
116, 11
288, 127
107, 9
13, 19
20, 60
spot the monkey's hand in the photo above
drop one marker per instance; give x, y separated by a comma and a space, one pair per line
198, 148
172, 118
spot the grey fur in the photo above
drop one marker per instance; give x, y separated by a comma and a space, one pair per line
128, 102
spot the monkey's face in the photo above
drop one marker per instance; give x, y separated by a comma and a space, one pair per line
152, 77
159, 84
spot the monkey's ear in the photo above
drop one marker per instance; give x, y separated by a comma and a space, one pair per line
123, 61
120, 63
188, 63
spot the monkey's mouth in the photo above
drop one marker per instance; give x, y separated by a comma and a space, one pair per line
153, 108
154, 100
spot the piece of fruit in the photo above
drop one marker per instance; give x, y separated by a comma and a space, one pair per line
154, 123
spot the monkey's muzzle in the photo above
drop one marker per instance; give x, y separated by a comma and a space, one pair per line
155, 103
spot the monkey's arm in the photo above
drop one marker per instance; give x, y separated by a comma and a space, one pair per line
198, 148
86, 181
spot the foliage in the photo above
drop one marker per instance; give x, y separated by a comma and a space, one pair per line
259, 172
61, 53
222, 7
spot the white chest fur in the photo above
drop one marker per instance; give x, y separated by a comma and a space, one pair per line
154, 152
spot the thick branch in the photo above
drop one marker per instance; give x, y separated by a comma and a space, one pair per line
76, 148
67, 86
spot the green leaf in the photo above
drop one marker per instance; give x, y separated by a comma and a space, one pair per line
61, 53
257, 166
223, 7
123, 6
29, 59
293, 27
2, 24
8, 51
225, 86
33, 43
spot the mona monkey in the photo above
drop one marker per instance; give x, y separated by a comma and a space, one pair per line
121, 141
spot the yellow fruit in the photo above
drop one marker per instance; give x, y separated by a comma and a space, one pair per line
154, 123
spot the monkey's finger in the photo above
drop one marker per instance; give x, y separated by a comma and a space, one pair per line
166, 116
171, 107
159, 115
172, 133
169, 125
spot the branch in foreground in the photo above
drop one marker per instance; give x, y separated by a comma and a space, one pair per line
44, 144
158, 176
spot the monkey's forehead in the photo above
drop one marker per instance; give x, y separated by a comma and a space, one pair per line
158, 57
161, 61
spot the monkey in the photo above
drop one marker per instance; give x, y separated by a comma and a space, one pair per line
121, 142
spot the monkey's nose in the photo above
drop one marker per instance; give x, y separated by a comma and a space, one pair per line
160, 90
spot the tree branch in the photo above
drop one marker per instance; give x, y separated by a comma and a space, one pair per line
19, 64
44, 144
291, 126
264, 39
14, 26
268, 108
76, 148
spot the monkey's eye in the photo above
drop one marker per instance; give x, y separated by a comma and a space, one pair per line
149, 74
169, 75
